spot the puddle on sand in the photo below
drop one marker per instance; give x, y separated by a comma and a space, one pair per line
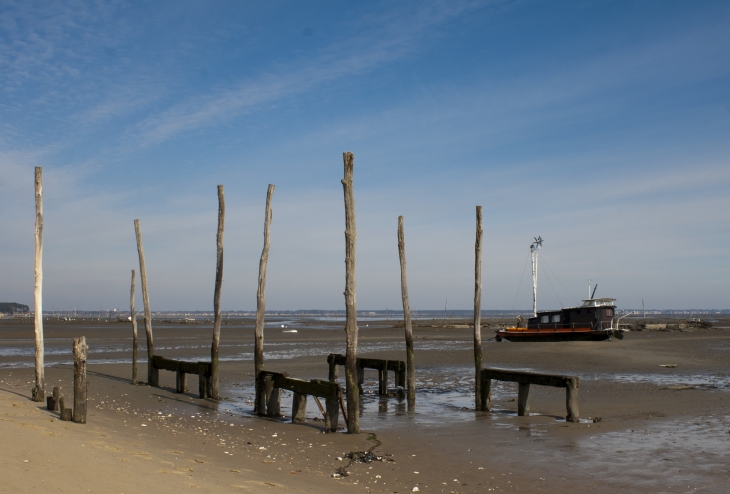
446, 397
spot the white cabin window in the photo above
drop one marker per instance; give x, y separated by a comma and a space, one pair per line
544, 319
608, 312
556, 318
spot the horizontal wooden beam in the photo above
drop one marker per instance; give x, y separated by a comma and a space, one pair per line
540, 379
369, 363
315, 387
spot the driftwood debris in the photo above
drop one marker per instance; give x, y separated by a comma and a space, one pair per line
217, 296
80, 385
133, 317
353, 396
480, 404
146, 300
410, 360
38, 391
261, 295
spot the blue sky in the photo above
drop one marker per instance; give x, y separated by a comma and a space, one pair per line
601, 126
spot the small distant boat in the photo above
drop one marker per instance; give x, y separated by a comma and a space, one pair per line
594, 320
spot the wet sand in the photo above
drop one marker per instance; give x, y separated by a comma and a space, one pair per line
661, 429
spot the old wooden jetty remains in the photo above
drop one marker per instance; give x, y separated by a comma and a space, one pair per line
398, 367
524, 380
268, 397
182, 369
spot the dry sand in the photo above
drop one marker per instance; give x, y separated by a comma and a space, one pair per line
661, 429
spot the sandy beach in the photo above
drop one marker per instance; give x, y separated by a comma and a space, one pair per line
646, 427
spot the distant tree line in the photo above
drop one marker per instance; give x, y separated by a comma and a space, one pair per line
12, 307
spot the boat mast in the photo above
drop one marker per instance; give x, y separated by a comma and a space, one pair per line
534, 248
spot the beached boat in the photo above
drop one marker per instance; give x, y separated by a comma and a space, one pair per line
594, 320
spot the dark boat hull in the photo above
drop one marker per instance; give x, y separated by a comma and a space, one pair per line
552, 336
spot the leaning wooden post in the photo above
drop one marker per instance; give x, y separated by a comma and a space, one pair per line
133, 316
217, 297
147, 313
38, 392
261, 296
411, 378
480, 403
80, 350
353, 395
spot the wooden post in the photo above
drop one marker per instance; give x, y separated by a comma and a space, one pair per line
66, 413
261, 393
332, 376
133, 315
261, 293
360, 378
80, 350
523, 399
383, 381
486, 389
410, 365
273, 407
298, 408
214, 391
52, 401
353, 395
147, 312
38, 392
181, 384
480, 405
571, 399
332, 415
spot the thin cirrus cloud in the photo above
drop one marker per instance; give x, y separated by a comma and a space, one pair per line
389, 39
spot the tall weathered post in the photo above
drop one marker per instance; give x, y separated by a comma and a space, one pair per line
261, 300
410, 369
352, 391
38, 392
151, 380
133, 317
80, 351
217, 296
480, 402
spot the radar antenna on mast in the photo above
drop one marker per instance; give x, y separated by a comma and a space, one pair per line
534, 248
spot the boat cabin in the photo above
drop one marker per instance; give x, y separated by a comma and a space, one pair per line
595, 313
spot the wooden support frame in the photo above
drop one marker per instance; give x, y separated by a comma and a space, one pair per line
398, 367
525, 379
271, 383
182, 369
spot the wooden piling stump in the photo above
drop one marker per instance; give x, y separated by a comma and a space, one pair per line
523, 399
80, 350
66, 413
38, 391
298, 408
273, 405
152, 380
486, 390
571, 398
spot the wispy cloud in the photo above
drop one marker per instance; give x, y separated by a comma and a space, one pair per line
384, 40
